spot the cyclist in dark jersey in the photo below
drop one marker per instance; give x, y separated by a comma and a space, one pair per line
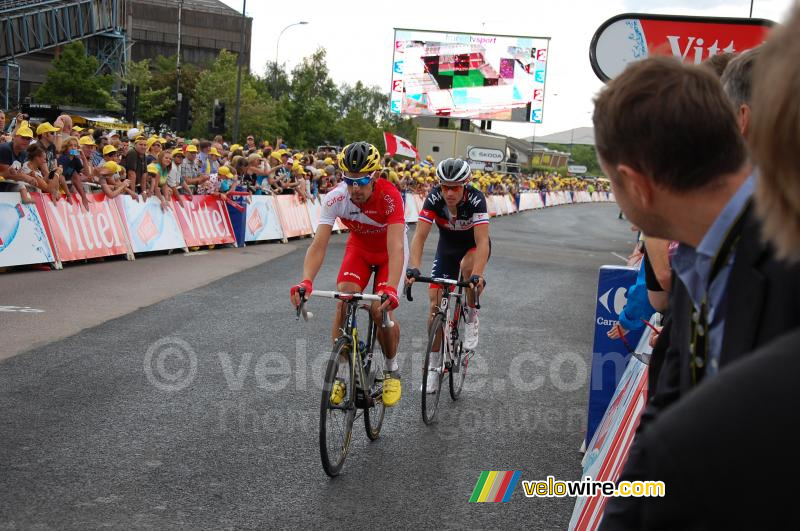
459, 210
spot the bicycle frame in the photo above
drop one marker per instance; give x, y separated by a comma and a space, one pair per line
350, 331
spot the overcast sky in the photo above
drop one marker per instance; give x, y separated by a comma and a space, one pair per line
358, 37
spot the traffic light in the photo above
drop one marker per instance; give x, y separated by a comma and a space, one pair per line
218, 117
131, 95
187, 115
184, 115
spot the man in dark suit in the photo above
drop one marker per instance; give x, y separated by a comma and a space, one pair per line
718, 449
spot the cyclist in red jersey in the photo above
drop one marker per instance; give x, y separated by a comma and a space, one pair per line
373, 210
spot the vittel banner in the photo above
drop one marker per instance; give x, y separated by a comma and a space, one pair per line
633, 36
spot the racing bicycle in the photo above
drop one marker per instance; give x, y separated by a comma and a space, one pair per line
445, 353
362, 379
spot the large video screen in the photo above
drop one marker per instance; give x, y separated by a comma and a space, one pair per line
461, 75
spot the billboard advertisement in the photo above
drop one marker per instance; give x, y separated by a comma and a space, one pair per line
633, 36
462, 75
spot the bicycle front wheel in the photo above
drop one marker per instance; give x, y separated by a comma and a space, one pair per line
373, 416
337, 408
432, 370
458, 371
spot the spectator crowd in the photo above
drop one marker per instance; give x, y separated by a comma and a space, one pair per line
63, 160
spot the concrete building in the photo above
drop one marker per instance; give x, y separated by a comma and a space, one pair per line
132, 30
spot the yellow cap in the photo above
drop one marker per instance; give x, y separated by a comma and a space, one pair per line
191, 148
225, 172
113, 166
46, 128
77, 128
177, 151
108, 148
213, 151
328, 161
152, 168
235, 147
86, 141
298, 156
152, 140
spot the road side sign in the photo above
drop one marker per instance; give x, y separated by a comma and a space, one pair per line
630, 37
485, 154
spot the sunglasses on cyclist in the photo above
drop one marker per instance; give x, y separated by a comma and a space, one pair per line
361, 181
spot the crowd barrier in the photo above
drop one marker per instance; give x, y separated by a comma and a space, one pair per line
53, 233
608, 449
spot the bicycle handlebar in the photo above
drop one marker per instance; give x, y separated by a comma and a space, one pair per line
443, 281
386, 322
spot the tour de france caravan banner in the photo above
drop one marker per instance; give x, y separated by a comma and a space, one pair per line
23, 239
150, 227
462, 75
633, 36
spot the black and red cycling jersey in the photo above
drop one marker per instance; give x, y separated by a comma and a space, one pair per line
456, 229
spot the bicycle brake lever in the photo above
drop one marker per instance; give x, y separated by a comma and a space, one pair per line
477, 299
408, 292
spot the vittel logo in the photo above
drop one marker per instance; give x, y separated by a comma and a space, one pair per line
696, 45
82, 230
204, 222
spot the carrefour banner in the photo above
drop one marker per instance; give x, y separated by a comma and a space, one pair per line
203, 220
150, 227
261, 221
79, 234
23, 239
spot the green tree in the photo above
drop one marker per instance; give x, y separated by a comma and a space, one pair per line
73, 80
582, 155
258, 115
312, 103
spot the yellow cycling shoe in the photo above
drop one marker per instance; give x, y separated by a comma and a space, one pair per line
392, 390
338, 392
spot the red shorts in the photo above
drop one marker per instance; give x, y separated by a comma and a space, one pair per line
356, 266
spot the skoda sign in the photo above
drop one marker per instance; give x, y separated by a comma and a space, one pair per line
485, 154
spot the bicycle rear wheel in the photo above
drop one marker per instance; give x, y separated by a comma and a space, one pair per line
432, 370
336, 420
458, 371
373, 416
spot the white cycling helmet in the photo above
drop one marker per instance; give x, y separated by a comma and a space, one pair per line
453, 171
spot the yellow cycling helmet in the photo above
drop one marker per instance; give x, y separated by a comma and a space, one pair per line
360, 157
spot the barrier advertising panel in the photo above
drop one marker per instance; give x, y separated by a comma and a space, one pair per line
23, 239
204, 221
79, 234
150, 228
262, 222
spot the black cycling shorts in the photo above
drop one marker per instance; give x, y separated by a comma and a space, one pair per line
447, 263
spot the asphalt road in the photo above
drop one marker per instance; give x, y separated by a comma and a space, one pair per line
200, 411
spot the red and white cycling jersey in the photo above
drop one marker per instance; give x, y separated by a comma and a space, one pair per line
368, 222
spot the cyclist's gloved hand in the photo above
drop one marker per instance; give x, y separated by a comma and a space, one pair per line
413, 272
477, 281
391, 301
294, 292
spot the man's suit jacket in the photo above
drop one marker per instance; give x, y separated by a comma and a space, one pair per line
723, 451
763, 302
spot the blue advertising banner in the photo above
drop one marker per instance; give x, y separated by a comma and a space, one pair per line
609, 356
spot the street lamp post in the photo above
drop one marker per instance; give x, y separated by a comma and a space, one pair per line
277, 48
240, 60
